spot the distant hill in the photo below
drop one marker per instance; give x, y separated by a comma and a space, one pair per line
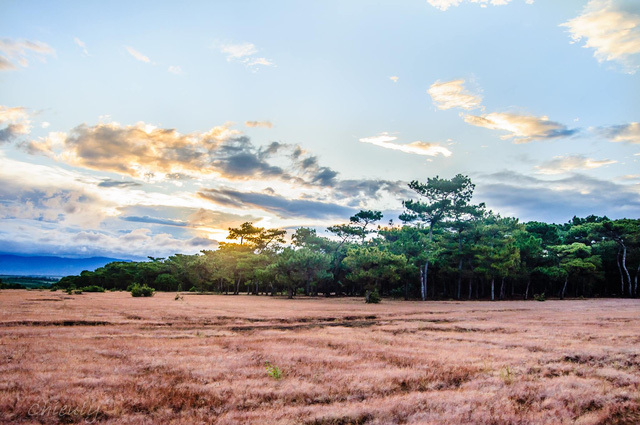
49, 266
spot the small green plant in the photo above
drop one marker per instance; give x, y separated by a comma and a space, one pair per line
273, 371
507, 375
69, 291
372, 297
193, 289
77, 291
540, 297
142, 291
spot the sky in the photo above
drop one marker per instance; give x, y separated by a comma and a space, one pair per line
134, 129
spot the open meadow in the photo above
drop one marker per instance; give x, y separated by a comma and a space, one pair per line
109, 358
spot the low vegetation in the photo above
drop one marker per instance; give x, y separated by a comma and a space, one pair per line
111, 359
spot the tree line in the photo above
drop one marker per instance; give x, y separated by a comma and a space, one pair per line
445, 247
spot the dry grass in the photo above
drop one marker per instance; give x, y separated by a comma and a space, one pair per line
110, 358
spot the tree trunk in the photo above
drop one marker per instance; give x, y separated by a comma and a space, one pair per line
493, 285
459, 278
526, 291
502, 289
459, 263
620, 271
564, 287
237, 287
624, 266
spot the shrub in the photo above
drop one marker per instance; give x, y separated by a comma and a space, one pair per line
273, 371
373, 297
77, 291
179, 297
539, 297
141, 291
193, 289
93, 288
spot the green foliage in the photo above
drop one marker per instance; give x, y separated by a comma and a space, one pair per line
141, 291
459, 248
273, 371
373, 297
540, 297
93, 288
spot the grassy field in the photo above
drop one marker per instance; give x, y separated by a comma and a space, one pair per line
111, 358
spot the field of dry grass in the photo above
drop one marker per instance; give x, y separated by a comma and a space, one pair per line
111, 358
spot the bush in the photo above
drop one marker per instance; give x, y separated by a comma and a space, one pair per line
141, 291
373, 297
193, 289
273, 371
93, 288
77, 291
539, 297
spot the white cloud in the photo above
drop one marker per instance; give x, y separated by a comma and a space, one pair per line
136, 54
611, 29
522, 128
82, 45
394, 78
384, 140
175, 70
446, 4
565, 164
452, 94
238, 51
245, 53
14, 53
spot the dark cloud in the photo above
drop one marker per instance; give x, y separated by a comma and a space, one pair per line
558, 200
116, 183
277, 205
155, 220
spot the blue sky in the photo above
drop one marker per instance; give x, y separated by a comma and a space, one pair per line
148, 128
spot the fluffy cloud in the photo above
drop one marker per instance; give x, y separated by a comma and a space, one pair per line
612, 29
521, 128
13, 123
264, 124
446, 4
245, 53
384, 140
278, 205
150, 153
394, 78
556, 200
565, 164
175, 70
145, 151
452, 94
628, 133
136, 54
14, 53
